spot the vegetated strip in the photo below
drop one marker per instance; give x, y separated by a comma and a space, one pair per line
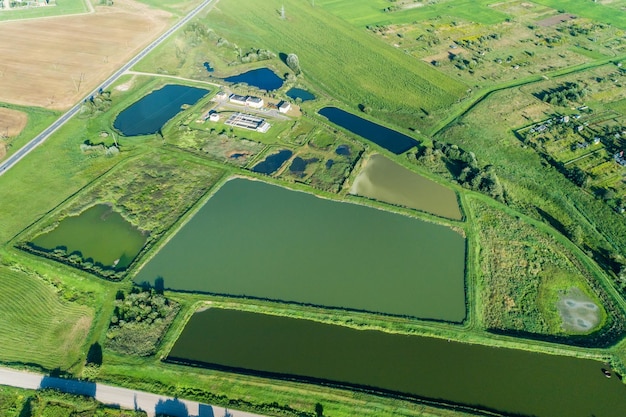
419, 367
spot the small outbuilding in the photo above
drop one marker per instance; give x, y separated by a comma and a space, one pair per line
284, 106
214, 117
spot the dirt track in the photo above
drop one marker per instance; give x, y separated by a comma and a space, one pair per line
54, 62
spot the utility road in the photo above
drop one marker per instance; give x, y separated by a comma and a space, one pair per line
122, 397
39, 139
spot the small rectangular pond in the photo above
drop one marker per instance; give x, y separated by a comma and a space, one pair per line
511, 382
98, 234
148, 115
252, 239
389, 139
384, 180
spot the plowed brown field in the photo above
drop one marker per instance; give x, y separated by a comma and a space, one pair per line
54, 62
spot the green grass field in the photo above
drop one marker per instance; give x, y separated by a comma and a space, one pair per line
36, 326
358, 69
62, 7
607, 13
371, 12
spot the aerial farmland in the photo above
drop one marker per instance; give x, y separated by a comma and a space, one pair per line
313, 208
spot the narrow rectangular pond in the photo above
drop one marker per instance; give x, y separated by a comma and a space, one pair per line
389, 139
253, 239
508, 381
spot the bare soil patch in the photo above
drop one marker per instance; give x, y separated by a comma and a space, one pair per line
11, 123
62, 59
555, 20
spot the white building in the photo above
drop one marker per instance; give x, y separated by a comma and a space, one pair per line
254, 102
284, 106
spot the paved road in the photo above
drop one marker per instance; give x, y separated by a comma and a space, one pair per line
39, 139
124, 398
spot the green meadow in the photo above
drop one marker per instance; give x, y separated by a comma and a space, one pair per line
611, 12
372, 12
357, 70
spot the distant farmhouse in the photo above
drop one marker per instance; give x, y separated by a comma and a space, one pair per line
15, 4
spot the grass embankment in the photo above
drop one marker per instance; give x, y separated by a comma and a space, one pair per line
16, 402
37, 327
64, 7
523, 274
394, 87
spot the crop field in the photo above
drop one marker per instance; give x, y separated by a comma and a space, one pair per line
47, 332
19, 124
395, 88
523, 271
376, 12
11, 124
56, 71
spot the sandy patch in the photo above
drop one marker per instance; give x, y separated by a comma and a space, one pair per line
578, 312
445, 56
125, 86
11, 122
62, 59
412, 5
555, 20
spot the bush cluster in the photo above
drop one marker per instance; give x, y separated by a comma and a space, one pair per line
139, 321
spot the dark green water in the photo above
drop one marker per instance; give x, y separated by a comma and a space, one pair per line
506, 380
384, 180
98, 233
259, 240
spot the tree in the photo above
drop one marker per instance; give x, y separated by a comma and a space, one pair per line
294, 63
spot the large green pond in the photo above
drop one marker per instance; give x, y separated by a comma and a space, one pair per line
258, 240
98, 233
384, 180
506, 380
